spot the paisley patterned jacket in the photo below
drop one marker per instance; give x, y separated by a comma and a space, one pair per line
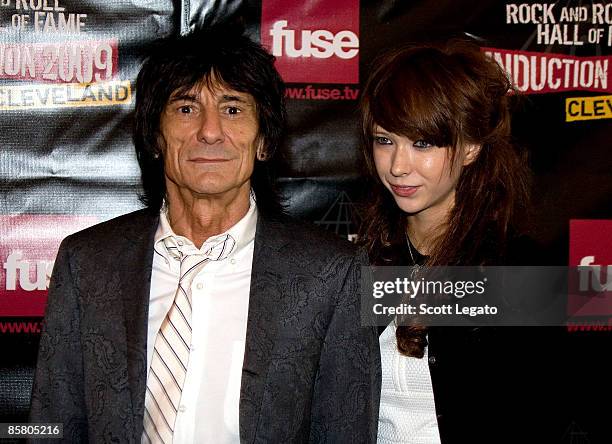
311, 373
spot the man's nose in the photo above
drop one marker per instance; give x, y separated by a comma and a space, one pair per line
401, 162
211, 128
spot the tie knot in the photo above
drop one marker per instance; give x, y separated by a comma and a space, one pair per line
221, 248
192, 262
218, 248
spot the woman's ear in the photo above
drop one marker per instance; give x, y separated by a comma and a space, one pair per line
471, 153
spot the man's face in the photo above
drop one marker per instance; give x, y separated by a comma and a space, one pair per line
209, 141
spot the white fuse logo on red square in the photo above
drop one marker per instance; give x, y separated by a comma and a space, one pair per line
313, 42
27, 252
590, 250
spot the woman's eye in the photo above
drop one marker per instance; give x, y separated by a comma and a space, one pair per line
422, 144
380, 140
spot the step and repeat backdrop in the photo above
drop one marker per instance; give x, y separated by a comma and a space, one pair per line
67, 71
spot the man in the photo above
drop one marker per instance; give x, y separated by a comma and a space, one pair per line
207, 316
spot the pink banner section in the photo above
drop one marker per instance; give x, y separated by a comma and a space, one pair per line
313, 42
28, 246
65, 62
591, 251
542, 72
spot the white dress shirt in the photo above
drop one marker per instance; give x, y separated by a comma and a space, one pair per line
208, 410
407, 407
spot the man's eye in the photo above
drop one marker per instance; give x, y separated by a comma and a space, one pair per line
422, 144
232, 110
380, 140
185, 109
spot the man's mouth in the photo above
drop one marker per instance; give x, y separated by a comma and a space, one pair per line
208, 160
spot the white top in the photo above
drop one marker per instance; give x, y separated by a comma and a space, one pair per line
407, 408
208, 410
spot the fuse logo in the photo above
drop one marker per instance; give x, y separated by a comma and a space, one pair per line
590, 251
321, 43
591, 276
27, 251
27, 275
313, 42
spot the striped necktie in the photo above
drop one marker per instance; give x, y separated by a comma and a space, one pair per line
172, 344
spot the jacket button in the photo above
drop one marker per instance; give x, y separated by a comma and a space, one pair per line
432, 360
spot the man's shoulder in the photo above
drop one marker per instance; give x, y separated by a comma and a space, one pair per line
130, 225
309, 238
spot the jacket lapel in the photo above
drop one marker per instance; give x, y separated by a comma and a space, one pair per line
262, 324
137, 263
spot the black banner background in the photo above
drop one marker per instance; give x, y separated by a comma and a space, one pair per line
79, 161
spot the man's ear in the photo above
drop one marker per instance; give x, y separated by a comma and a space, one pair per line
262, 152
471, 153
161, 147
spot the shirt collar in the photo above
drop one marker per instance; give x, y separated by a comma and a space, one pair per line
243, 232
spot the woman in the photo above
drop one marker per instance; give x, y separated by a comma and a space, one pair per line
449, 188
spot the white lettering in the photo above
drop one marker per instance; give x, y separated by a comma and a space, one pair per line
37, 5
526, 13
48, 22
586, 269
346, 40
602, 14
18, 270
320, 43
542, 73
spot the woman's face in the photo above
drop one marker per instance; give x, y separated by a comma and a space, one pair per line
417, 173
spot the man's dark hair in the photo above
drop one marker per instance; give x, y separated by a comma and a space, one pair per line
218, 55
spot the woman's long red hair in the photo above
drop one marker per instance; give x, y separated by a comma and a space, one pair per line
450, 96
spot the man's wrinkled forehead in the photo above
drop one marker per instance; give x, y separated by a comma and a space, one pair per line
217, 87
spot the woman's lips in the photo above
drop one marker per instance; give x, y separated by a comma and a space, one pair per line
404, 191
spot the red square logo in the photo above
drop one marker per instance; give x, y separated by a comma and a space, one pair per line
28, 246
314, 42
591, 251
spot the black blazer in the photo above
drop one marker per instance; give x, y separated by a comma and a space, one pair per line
511, 384
311, 373
520, 384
